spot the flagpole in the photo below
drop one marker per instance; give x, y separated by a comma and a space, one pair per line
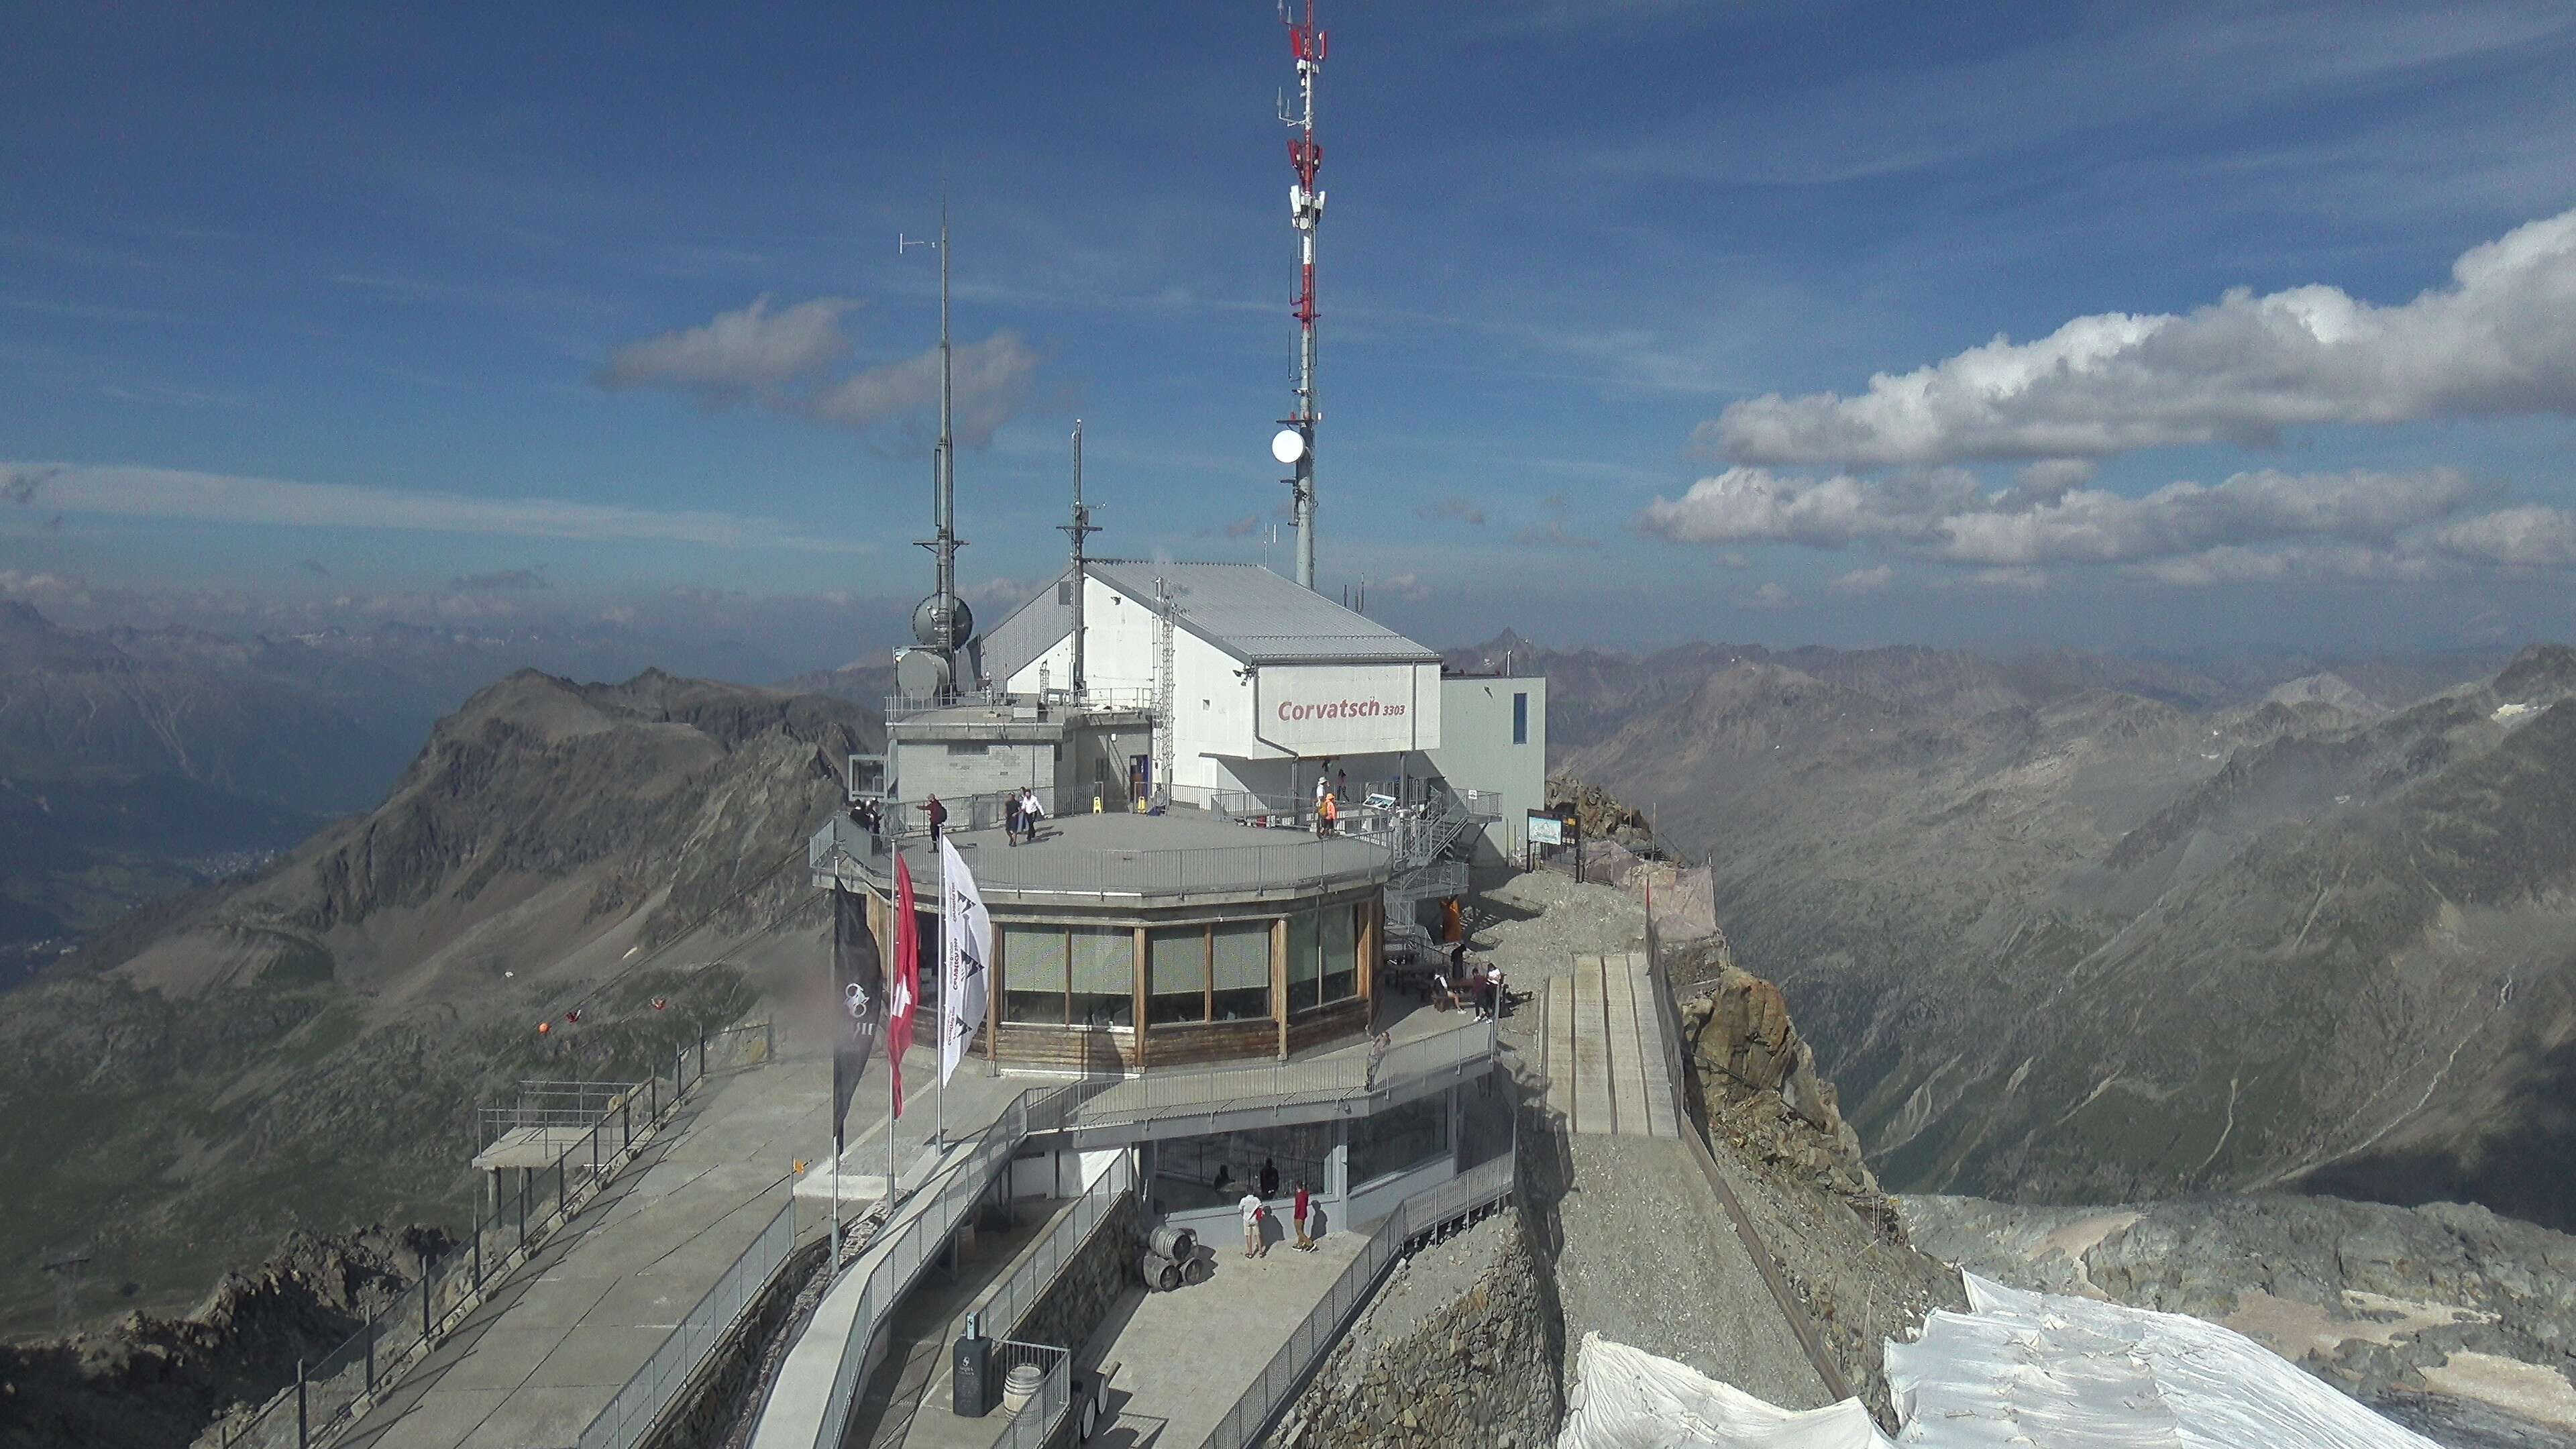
832, 1264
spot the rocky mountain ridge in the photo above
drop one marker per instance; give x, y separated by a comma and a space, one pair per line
2326, 944
305, 1048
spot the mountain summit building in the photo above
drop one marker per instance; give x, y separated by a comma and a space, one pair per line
1180, 916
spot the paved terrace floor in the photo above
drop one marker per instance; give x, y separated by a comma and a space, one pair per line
1183, 852
534, 1363
1185, 1357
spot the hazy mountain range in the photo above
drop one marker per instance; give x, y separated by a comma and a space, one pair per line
305, 1047
2081, 930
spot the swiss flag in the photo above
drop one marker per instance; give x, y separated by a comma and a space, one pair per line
906, 990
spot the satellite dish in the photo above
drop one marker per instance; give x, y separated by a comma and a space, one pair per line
1288, 446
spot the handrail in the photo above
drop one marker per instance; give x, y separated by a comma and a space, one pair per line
631, 1414
1117, 871
333, 1391
1006, 1306
1289, 1369
1342, 1077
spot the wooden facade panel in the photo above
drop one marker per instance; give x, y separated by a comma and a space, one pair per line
1064, 1048
1327, 1024
1215, 1041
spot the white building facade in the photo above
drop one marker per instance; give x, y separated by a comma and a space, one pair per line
1270, 684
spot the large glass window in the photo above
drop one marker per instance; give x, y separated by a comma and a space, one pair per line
1520, 718
1176, 974
1305, 980
1188, 1171
1342, 952
1104, 976
1033, 966
1241, 966
1391, 1141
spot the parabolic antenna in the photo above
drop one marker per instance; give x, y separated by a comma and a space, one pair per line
1288, 446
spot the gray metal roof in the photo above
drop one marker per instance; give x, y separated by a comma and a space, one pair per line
1027, 632
1244, 609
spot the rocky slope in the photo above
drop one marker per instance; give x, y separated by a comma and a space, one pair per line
2098, 947
148, 1380
2454, 1320
306, 1048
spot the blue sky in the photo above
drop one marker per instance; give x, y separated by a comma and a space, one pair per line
458, 312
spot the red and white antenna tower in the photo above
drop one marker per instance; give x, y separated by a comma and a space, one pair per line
1295, 443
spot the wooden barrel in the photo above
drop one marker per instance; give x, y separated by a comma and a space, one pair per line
1198, 1269
1161, 1273
1018, 1387
1177, 1244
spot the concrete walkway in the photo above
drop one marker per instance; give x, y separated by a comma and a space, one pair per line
1185, 1357
1605, 1050
801, 1394
546, 1353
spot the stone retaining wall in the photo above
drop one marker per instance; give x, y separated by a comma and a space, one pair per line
712, 1401
1102, 1268
1453, 1350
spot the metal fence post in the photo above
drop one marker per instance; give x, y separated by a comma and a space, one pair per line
303, 1429
560, 1199
626, 1121
702, 1056
371, 1355
428, 1291
653, 1097
478, 1256
523, 1210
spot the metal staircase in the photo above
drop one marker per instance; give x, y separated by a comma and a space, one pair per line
1423, 833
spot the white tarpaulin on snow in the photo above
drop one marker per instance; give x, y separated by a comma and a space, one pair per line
2018, 1369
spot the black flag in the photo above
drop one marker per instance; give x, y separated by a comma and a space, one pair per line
858, 1001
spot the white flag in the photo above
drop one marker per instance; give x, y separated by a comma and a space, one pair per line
965, 948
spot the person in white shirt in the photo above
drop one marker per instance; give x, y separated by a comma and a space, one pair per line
1253, 1247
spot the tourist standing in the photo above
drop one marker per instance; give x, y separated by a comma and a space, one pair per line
1031, 812
1011, 819
937, 814
1251, 1208
1269, 1178
1305, 1240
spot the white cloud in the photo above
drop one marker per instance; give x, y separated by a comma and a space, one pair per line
785, 359
2315, 562
218, 498
42, 588
1771, 596
2499, 340
739, 354
989, 381
2529, 537
2032, 579
1864, 580
1750, 504
1943, 514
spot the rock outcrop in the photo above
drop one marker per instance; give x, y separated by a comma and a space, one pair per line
1758, 1080
1454, 1349
152, 1382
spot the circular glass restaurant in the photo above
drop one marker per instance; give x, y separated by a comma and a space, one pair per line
1126, 942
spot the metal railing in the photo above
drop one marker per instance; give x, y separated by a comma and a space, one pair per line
914, 1244
1007, 1305
900, 706
1036, 1421
553, 1104
1418, 1217
331, 1392
629, 1415
1124, 1104
1114, 871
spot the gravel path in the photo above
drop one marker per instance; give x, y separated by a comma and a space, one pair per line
1648, 1257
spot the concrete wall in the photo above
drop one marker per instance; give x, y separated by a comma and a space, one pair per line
1080, 1297
1455, 1349
1476, 752
718, 1394
1237, 731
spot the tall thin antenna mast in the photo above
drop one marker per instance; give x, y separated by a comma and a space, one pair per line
1305, 212
1079, 529
942, 623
